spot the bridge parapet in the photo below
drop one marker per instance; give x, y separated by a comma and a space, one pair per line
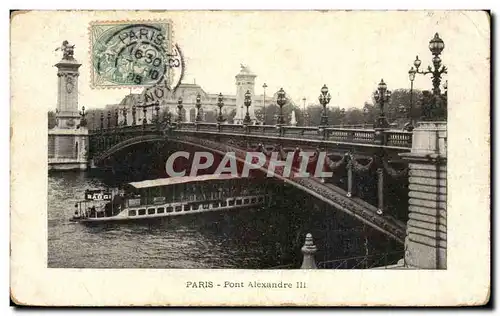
351, 135
395, 138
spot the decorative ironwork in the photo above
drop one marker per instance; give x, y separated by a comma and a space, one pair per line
436, 46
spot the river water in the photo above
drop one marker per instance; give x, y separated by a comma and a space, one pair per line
244, 239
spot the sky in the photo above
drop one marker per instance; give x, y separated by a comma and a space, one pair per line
297, 50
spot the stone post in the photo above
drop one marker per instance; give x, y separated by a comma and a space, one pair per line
380, 191
349, 178
425, 243
308, 250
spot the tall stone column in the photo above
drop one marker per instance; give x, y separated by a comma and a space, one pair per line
69, 138
425, 243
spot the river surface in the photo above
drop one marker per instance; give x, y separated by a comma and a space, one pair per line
244, 239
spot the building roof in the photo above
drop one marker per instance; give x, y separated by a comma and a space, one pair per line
131, 99
178, 180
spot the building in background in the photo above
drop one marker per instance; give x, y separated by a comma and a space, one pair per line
245, 80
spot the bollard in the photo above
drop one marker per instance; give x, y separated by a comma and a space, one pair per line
308, 250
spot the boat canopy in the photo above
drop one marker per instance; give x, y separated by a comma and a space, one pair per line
178, 180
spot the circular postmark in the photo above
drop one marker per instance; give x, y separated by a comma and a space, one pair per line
133, 55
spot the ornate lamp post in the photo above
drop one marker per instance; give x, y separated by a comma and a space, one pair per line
281, 100
382, 95
220, 104
179, 110
304, 113
124, 112
109, 120
102, 120
198, 107
264, 86
411, 76
248, 101
83, 121
116, 117
145, 112
157, 109
324, 99
436, 46
133, 114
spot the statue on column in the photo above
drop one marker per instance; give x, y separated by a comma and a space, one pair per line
68, 50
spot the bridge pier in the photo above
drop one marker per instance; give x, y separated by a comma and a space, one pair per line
425, 242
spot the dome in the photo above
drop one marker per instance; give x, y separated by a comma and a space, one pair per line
131, 99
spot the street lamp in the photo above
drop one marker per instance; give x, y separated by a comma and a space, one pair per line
436, 46
157, 109
248, 101
281, 100
220, 104
134, 110
304, 114
411, 76
382, 96
324, 99
83, 121
179, 110
264, 102
124, 112
198, 107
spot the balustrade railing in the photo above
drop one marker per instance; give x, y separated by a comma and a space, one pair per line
348, 135
363, 262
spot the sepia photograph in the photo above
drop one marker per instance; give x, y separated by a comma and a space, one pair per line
255, 141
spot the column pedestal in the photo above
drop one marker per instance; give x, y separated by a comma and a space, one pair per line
425, 243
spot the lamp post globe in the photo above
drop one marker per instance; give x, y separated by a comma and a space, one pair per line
436, 45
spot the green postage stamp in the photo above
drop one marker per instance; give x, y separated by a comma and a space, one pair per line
131, 54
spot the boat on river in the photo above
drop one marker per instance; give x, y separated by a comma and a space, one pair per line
175, 196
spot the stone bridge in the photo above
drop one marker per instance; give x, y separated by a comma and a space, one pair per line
346, 148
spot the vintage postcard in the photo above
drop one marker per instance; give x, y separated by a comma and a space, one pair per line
250, 158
